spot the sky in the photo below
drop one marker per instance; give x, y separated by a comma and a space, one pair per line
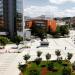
50, 8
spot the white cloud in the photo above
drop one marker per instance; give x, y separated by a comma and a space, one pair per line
60, 1
48, 10
66, 12
34, 11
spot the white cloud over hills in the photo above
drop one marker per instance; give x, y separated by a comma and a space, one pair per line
65, 13
48, 10
34, 11
60, 1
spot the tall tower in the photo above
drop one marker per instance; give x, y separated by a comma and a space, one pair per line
9, 15
12, 17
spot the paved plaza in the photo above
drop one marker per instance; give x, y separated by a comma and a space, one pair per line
10, 59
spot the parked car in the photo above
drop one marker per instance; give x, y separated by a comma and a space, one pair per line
1, 47
44, 43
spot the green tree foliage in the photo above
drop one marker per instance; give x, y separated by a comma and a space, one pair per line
17, 40
22, 67
69, 56
66, 71
48, 56
73, 26
73, 65
49, 30
50, 66
26, 57
58, 29
34, 72
64, 30
39, 31
58, 53
57, 33
3, 40
38, 61
39, 53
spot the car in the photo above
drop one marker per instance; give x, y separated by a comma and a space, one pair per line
44, 43
1, 47
14, 47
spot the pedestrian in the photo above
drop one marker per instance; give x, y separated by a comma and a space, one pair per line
6, 51
65, 47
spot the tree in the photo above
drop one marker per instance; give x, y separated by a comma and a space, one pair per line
73, 25
58, 29
26, 57
57, 52
42, 36
64, 30
49, 30
73, 65
3, 41
34, 72
18, 39
69, 56
39, 31
57, 33
22, 67
39, 53
38, 60
48, 56
50, 66
66, 71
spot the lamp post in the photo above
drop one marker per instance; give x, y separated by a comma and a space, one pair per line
23, 20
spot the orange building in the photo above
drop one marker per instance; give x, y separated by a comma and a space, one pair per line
28, 24
42, 23
52, 25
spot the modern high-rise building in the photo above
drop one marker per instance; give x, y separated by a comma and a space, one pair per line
10, 17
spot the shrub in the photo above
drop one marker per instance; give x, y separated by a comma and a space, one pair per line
57, 52
34, 72
69, 56
65, 64
43, 65
48, 56
50, 66
66, 71
39, 53
3, 40
55, 69
73, 66
38, 60
59, 60
64, 30
26, 57
18, 39
22, 67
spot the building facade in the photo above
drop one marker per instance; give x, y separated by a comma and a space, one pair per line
19, 11
45, 24
10, 17
2, 25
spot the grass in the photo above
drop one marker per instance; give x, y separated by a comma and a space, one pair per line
57, 65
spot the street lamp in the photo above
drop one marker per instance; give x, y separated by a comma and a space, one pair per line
23, 20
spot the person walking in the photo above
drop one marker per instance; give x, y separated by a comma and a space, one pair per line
65, 47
